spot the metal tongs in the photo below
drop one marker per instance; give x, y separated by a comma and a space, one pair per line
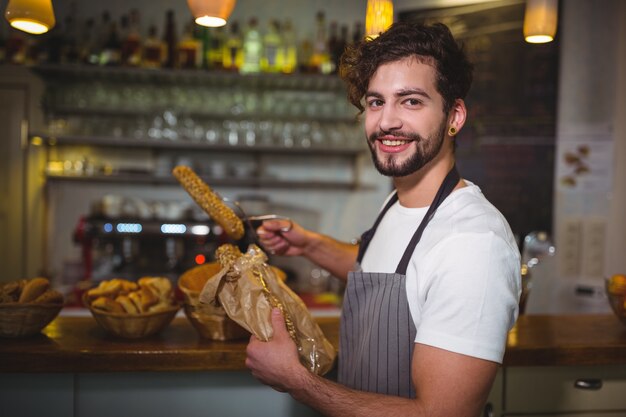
249, 219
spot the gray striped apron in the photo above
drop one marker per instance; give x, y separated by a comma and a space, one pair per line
377, 330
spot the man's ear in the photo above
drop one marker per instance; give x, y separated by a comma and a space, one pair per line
457, 116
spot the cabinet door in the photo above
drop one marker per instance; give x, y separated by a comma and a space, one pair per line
493, 407
560, 389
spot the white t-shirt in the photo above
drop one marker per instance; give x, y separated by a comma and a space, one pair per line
463, 282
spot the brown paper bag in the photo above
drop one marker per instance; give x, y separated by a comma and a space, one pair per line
248, 289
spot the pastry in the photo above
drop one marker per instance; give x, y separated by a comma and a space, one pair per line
127, 304
49, 297
33, 289
108, 305
144, 298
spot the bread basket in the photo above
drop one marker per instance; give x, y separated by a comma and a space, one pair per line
211, 322
133, 326
26, 319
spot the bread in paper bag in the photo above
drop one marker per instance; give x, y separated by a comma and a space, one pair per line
247, 288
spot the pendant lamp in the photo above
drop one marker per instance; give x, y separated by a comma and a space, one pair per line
211, 13
32, 16
540, 20
378, 17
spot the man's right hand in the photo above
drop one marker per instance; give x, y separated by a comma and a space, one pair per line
283, 237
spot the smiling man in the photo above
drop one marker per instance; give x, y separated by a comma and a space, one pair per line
433, 287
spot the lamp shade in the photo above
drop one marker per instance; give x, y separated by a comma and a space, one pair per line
211, 13
378, 17
540, 20
32, 16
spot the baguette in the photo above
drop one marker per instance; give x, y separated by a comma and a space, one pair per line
210, 202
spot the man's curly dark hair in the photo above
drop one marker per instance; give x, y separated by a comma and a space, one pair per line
432, 44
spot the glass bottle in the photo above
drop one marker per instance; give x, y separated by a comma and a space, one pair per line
112, 50
201, 35
357, 34
233, 52
102, 35
290, 48
320, 60
252, 48
169, 38
338, 45
216, 48
273, 50
86, 41
131, 46
188, 50
3, 43
153, 50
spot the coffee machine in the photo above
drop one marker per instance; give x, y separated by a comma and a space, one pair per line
130, 238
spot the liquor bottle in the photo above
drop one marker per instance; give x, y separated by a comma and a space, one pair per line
233, 52
320, 59
216, 48
357, 34
102, 35
290, 48
188, 50
201, 35
70, 38
333, 45
273, 58
111, 54
131, 45
3, 44
252, 48
153, 50
16, 47
169, 38
86, 41
337, 44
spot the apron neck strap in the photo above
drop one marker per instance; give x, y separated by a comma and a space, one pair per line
451, 180
366, 238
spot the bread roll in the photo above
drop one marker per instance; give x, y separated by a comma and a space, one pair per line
50, 297
33, 289
127, 304
105, 289
10, 292
144, 298
108, 305
162, 287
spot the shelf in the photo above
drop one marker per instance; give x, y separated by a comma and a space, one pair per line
221, 79
113, 142
214, 182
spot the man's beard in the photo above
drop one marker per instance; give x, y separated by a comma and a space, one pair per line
425, 150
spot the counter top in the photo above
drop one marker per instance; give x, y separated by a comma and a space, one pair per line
77, 344
547, 340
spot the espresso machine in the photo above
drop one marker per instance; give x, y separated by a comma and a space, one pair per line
130, 238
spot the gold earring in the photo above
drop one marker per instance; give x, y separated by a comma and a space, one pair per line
452, 131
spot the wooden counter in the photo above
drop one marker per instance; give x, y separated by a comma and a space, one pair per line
78, 345
566, 340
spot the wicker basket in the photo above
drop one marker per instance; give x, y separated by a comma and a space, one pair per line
210, 322
134, 326
26, 319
